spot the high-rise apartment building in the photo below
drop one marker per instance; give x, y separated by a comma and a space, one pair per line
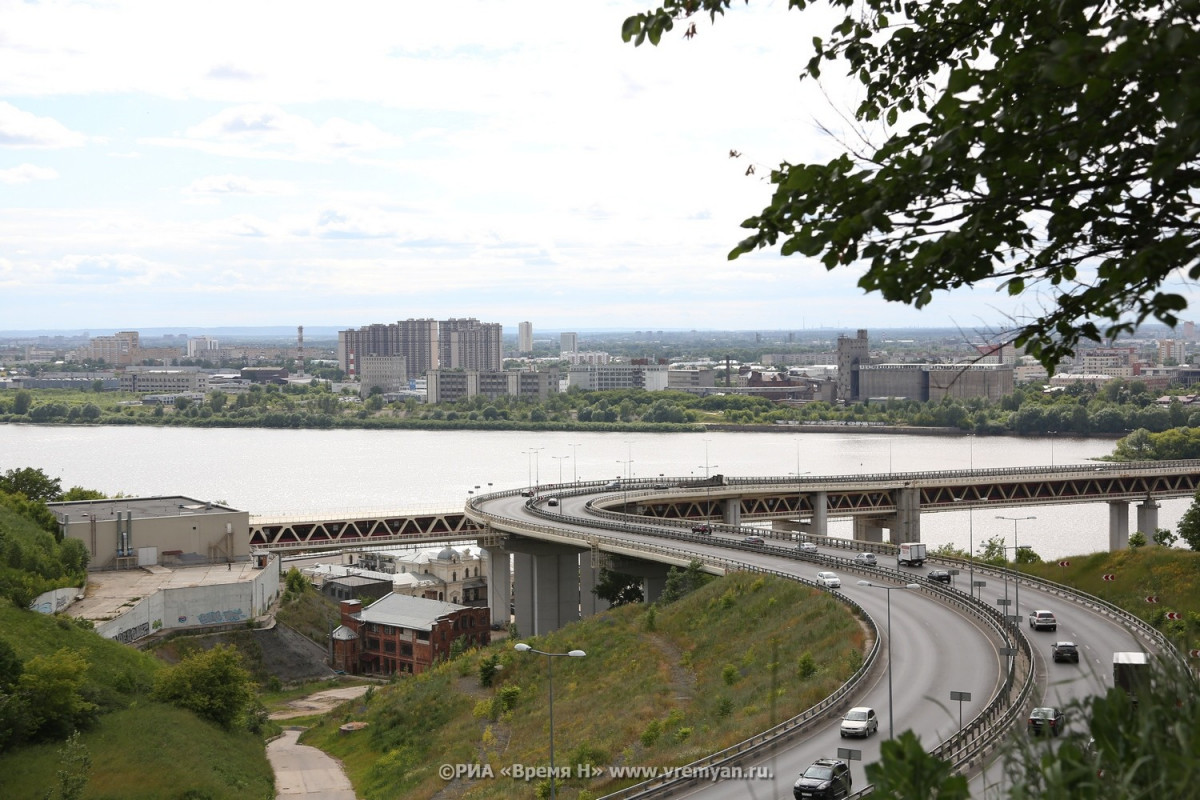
119, 350
415, 339
426, 344
568, 343
202, 347
525, 337
470, 344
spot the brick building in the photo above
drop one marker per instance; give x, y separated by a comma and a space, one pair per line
401, 634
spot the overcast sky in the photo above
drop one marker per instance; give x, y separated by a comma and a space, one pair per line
300, 163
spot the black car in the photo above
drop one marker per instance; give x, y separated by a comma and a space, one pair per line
701, 527
1065, 651
939, 575
826, 779
1046, 720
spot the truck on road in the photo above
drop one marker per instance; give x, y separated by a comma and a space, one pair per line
911, 554
1131, 672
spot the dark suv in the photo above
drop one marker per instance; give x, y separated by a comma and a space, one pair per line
701, 527
826, 779
1065, 651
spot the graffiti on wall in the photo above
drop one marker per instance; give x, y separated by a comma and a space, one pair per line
133, 634
217, 617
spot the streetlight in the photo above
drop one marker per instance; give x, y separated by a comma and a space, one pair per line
970, 542
628, 477
706, 441
521, 647
799, 489
559, 459
889, 589
533, 481
1016, 555
574, 463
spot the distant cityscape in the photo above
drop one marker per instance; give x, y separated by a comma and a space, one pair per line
439, 361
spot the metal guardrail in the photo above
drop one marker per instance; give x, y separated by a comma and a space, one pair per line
973, 740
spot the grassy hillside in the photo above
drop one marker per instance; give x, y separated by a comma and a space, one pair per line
138, 748
1171, 574
656, 688
149, 752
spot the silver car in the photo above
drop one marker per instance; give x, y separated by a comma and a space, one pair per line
829, 580
860, 721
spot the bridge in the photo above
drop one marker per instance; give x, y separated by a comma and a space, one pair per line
894, 501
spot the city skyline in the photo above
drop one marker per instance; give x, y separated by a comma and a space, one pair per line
231, 165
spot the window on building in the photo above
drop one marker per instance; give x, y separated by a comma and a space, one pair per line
422, 636
389, 646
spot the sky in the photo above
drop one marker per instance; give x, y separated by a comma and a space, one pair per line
311, 163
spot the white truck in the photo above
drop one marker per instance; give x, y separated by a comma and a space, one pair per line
911, 554
1131, 672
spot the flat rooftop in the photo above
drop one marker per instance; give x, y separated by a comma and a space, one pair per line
113, 592
140, 507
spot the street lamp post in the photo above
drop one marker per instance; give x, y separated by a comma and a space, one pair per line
889, 590
970, 543
1016, 562
799, 490
574, 463
559, 459
521, 647
536, 476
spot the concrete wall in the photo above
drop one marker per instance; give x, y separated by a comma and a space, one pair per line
196, 606
202, 535
55, 600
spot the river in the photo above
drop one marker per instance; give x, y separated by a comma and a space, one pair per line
289, 472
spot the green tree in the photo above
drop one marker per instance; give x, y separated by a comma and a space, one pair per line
1042, 146
905, 771
618, 588
33, 483
1189, 523
682, 582
51, 688
22, 401
75, 767
212, 683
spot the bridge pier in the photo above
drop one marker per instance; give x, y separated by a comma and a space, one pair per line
1118, 525
499, 584
867, 529
731, 511
908, 516
1147, 518
545, 585
589, 576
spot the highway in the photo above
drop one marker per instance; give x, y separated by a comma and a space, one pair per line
936, 648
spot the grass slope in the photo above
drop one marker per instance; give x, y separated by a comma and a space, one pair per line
656, 688
139, 749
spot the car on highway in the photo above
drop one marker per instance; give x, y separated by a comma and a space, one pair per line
1042, 620
1046, 720
661, 485
612, 485
825, 779
754, 541
865, 559
527, 493
808, 547
553, 501
829, 580
1065, 651
701, 527
859, 721
939, 575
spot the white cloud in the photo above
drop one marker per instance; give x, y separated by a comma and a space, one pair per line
219, 185
22, 129
26, 173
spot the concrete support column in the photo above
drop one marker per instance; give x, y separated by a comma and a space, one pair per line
545, 585
1147, 518
499, 584
820, 519
1118, 525
867, 529
908, 516
652, 588
731, 511
589, 576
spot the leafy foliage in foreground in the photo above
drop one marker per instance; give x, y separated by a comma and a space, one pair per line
1048, 147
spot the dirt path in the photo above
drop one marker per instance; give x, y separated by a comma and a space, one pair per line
320, 702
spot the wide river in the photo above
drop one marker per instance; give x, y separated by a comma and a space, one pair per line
300, 472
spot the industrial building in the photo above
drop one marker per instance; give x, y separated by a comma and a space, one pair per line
144, 531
